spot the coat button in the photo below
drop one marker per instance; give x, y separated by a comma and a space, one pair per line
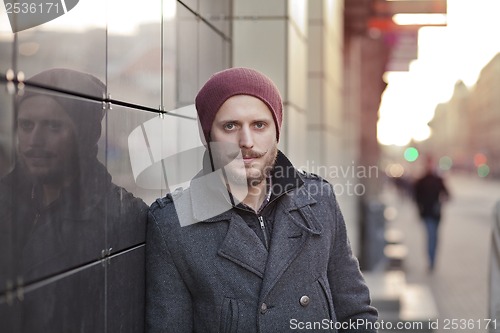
305, 300
263, 308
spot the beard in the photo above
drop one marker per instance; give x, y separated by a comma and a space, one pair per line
50, 169
253, 174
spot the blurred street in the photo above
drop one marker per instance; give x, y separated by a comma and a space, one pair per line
459, 282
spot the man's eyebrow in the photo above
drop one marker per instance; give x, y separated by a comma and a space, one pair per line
229, 120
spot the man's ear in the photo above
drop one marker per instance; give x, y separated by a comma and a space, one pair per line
202, 134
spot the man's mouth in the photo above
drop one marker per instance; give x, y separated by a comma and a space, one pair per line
38, 157
36, 153
248, 160
251, 157
252, 154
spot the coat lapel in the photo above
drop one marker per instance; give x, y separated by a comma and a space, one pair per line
211, 202
243, 247
294, 224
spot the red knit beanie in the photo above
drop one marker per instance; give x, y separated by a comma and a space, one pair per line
236, 81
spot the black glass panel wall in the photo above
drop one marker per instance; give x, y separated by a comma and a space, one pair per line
56, 204
187, 53
134, 52
64, 218
7, 152
81, 151
75, 40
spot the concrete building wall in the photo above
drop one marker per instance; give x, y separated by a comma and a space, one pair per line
331, 130
271, 36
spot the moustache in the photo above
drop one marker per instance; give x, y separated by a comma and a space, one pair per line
38, 153
252, 154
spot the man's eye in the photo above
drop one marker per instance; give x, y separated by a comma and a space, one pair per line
54, 125
229, 126
26, 125
260, 125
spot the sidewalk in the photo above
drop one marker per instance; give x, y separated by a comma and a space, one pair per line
459, 282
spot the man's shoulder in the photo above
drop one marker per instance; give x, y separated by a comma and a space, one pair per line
312, 178
316, 185
171, 205
168, 200
15, 184
125, 198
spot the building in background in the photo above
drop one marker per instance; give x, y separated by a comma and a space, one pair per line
451, 132
464, 129
484, 110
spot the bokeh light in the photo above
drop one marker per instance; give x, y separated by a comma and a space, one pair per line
445, 163
480, 159
411, 154
483, 170
395, 170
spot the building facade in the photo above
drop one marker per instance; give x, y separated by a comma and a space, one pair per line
465, 129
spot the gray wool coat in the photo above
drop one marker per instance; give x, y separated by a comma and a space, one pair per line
217, 276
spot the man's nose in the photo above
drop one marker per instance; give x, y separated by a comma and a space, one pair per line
37, 136
246, 137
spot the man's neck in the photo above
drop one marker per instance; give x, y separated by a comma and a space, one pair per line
51, 191
256, 195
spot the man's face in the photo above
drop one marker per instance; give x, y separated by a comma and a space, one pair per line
245, 122
46, 140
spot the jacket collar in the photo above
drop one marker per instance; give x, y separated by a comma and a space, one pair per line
212, 201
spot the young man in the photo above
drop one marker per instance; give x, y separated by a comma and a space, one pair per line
430, 193
261, 247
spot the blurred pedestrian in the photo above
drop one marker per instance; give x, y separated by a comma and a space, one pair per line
430, 192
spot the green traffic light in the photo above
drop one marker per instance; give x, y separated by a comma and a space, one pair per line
483, 170
411, 154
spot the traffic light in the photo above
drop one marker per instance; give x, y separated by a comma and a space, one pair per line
411, 154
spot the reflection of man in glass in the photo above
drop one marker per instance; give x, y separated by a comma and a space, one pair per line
59, 200
47, 145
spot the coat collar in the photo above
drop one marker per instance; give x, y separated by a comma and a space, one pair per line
211, 199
